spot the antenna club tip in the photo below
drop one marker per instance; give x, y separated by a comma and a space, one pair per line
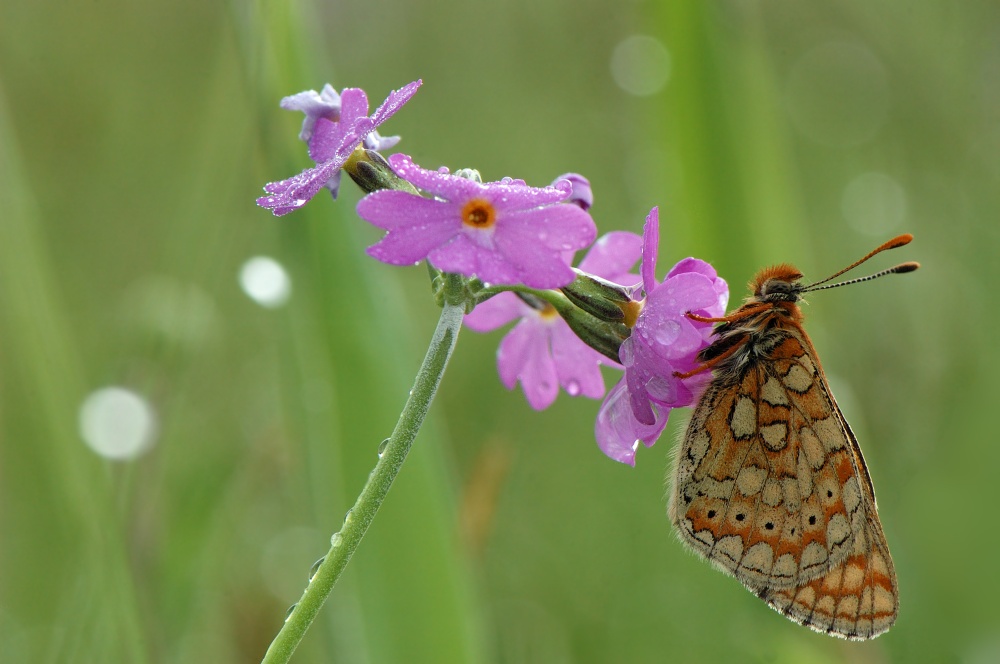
907, 267
899, 241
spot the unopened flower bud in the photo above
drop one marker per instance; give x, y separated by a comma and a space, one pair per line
582, 195
601, 298
372, 172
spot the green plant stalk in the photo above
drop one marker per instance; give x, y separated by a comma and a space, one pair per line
346, 541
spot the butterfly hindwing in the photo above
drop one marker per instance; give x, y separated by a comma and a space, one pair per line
771, 487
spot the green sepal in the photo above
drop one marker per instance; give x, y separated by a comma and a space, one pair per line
372, 172
598, 297
604, 336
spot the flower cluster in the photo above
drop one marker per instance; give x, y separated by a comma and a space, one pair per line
541, 351
515, 244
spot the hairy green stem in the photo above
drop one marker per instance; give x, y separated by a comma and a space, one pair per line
345, 542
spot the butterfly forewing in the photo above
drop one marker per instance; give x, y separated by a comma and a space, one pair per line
770, 485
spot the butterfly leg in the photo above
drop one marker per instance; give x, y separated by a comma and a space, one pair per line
715, 360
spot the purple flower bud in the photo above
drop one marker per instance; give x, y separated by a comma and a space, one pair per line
582, 195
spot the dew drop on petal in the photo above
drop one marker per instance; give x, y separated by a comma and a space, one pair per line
265, 281
117, 423
626, 354
667, 332
573, 388
661, 389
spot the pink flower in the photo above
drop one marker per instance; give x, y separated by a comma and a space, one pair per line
663, 341
501, 232
541, 351
334, 128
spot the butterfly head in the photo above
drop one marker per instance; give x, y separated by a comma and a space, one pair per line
778, 283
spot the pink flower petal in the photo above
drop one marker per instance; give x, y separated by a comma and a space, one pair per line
523, 356
391, 209
294, 192
533, 265
462, 255
411, 244
518, 196
325, 141
353, 105
496, 312
578, 366
617, 431
442, 185
394, 101
613, 255
560, 227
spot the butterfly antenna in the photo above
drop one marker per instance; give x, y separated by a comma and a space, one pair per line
898, 241
899, 269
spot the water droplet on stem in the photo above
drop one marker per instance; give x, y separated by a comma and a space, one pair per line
315, 568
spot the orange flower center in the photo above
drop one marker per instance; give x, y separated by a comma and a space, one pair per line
632, 309
479, 213
548, 312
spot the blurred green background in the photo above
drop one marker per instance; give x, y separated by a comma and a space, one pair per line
134, 137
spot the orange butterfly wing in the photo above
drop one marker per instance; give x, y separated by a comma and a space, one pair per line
771, 487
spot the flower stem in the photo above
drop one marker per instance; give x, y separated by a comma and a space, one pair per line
345, 542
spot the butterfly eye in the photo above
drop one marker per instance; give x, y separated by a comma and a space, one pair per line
775, 286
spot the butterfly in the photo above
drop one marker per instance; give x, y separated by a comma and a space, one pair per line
770, 485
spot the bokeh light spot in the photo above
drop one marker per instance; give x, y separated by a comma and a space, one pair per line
265, 281
117, 423
640, 65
